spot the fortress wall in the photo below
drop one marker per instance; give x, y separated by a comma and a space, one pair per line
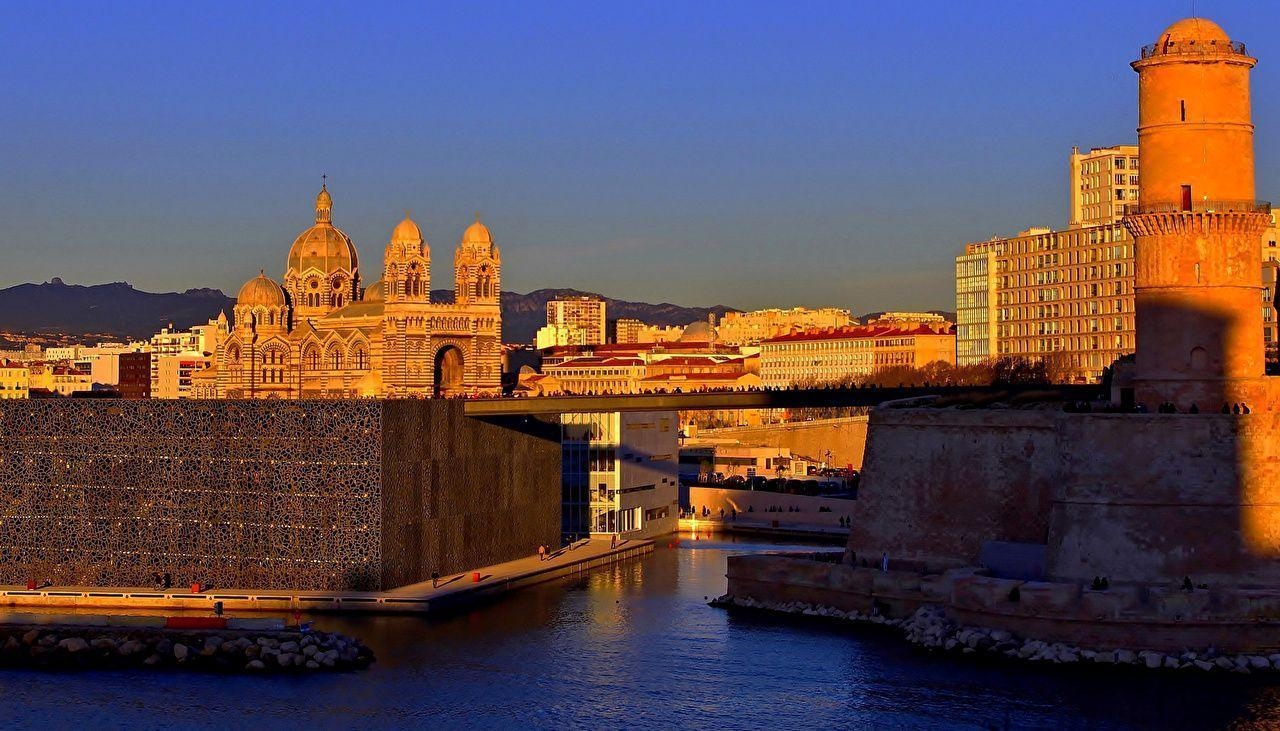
1156, 497
1138, 498
845, 437
939, 482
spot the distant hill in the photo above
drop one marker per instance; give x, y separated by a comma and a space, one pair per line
115, 309
119, 310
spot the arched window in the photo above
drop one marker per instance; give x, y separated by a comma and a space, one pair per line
360, 358
312, 358
335, 359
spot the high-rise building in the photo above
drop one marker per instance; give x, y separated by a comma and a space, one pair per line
1103, 181
586, 314
1065, 297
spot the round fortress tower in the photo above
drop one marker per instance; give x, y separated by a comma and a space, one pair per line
1196, 226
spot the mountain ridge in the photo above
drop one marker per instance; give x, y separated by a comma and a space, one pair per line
119, 309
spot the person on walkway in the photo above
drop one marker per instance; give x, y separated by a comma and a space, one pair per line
542, 552
613, 541
435, 579
168, 580
884, 562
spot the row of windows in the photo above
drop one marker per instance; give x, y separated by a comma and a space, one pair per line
1054, 327
1104, 164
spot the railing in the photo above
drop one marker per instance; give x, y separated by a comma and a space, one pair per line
1192, 48
1201, 206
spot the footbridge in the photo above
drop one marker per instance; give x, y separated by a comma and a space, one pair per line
765, 399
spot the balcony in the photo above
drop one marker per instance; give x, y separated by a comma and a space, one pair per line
1201, 206
1203, 48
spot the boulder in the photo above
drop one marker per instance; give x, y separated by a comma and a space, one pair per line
180, 652
74, 644
313, 665
1203, 664
153, 659
30, 637
288, 646
1125, 656
1153, 660
255, 665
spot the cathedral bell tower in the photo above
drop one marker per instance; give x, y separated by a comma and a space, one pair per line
1196, 226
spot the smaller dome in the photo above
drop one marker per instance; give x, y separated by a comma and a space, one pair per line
477, 233
261, 290
406, 232
698, 332
324, 200
376, 292
1198, 30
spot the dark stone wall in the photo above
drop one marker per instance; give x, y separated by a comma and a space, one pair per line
460, 493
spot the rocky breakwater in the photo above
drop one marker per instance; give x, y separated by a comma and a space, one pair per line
56, 647
930, 629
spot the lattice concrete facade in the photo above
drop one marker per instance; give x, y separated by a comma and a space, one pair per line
333, 494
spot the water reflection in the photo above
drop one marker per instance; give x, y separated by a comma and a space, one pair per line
636, 646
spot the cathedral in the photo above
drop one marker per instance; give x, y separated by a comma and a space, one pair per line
323, 334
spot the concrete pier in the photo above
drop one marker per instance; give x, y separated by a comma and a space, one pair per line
454, 590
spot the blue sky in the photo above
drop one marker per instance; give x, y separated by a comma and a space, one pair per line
751, 154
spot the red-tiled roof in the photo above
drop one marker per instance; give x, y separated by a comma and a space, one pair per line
594, 361
695, 377
859, 332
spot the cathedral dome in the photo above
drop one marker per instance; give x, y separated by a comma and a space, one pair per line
323, 246
261, 291
477, 234
406, 232
1194, 30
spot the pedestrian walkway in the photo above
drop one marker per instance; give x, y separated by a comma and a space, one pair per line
452, 590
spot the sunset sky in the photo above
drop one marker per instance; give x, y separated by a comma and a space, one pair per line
750, 154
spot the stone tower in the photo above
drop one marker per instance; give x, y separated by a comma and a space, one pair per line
1196, 226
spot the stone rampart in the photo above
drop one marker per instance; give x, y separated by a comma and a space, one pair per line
1137, 498
937, 483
